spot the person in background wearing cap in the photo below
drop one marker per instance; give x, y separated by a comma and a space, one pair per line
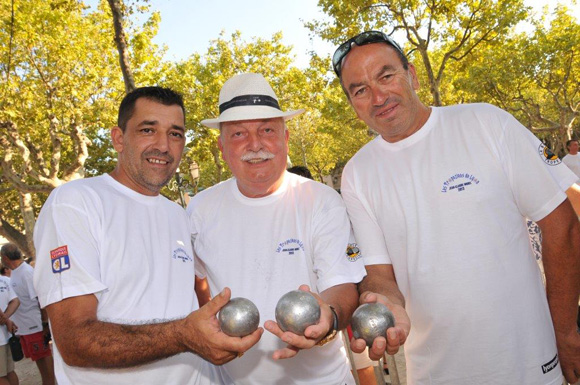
266, 232
438, 203
115, 268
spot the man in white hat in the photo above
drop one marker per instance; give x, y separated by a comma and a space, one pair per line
266, 232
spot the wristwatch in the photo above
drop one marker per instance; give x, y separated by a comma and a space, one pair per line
333, 330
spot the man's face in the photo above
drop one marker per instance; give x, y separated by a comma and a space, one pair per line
256, 152
151, 146
382, 92
573, 147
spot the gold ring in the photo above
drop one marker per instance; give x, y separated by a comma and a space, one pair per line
240, 354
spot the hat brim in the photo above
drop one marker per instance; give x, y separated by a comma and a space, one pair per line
250, 113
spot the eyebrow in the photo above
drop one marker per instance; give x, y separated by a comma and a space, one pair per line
385, 68
156, 122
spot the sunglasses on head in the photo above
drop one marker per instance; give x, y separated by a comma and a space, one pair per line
368, 37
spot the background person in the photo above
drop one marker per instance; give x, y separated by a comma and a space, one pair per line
32, 323
572, 159
115, 266
438, 203
8, 303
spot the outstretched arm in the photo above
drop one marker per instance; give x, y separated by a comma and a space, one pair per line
561, 258
85, 341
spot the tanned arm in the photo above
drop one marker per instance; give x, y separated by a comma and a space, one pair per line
561, 258
85, 341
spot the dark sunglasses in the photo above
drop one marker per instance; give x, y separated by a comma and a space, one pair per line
368, 37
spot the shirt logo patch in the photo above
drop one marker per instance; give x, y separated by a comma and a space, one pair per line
290, 246
60, 259
548, 366
182, 255
548, 156
459, 182
353, 252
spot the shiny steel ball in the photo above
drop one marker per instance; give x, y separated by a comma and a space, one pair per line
296, 310
371, 320
239, 317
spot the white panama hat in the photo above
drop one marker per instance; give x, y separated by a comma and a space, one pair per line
246, 97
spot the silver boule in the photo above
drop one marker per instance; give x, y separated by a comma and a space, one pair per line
371, 320
239, 317
296, 310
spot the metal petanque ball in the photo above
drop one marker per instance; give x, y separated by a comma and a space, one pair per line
239, 317
371, 320
296, 310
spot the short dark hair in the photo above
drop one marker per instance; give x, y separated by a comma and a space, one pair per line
11, 252
570, 141
301, 170
162, 95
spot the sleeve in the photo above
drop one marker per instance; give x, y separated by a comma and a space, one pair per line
30, 283
200, 270
538, 178
331, 231
367, 232
67, 250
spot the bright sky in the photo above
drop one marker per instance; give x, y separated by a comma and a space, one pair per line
188, 26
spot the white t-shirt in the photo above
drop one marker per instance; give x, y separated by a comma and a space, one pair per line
134, 253
573, 163
6, 295
27, 317
446, 207
264, 247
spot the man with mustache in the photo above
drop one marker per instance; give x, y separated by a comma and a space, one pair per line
438, 202
266, 232
115, 268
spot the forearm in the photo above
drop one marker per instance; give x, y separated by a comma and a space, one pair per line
12, 307
380, 279
561, 258
344, 299
107, 345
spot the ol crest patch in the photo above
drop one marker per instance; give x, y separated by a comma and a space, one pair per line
548, 156
60, 259
353, 252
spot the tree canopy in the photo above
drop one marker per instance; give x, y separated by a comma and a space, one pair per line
65, 68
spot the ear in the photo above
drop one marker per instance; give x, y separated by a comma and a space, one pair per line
117, 138
414, 79
221, 146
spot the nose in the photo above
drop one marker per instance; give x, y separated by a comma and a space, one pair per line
379, 96
161, 141
254, 142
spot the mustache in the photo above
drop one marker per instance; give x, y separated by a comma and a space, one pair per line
252, 155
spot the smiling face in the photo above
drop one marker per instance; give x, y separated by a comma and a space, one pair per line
382, 92
151, 146
256, 152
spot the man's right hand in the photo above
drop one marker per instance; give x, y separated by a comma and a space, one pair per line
395, 336
201, 333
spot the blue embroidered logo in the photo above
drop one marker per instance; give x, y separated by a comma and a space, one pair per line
181, 255
290, 246
459, 182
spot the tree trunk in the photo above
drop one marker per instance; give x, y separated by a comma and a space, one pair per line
121, 43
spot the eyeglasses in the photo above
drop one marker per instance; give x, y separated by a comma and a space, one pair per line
368, 37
